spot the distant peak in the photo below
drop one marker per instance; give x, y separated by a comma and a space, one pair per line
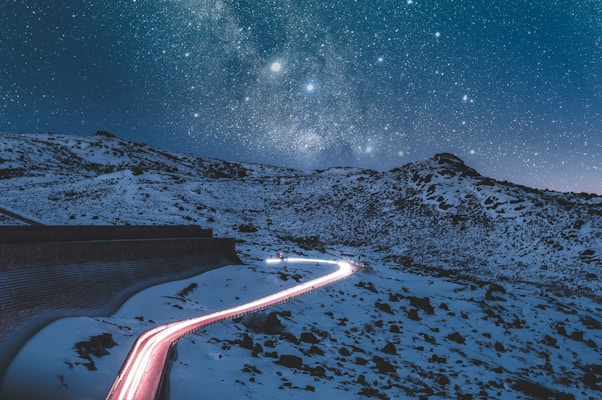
105, 134
456, 164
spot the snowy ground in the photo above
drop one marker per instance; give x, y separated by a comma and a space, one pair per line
477, 290
61, 373
373, 335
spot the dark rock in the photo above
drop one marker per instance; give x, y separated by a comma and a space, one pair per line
538, 391
389, 349
593, 376
382, 365
309, 337
549, 341
454, 165
591, 323
290, 361
456, 337
423, 304
493, 288
361, 361
499, 347
442, 380
591, 381
413, 314
95, 346
435, 358
384, 307
257, 350
247, 228
394, 329
368, 286
105, 134
372, 393
289, 337
561, 330
362, 380
318, 371
137, 170
344, 352
310, 388
428, 338
316, 350
246, 342
263, 323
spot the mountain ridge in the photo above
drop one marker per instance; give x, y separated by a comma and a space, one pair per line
436, 212
475, 288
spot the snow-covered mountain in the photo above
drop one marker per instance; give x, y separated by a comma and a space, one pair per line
477, 288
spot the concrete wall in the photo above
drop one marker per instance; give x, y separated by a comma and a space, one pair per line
43, 281
36, 255
54, 233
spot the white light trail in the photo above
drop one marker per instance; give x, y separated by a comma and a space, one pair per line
140, 375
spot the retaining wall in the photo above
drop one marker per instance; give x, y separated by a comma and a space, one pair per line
44, 281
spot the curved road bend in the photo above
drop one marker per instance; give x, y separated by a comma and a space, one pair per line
140, 375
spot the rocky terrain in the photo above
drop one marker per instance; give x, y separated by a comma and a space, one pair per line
476, 288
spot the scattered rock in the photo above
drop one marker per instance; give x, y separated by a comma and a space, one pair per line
316, 350
422, 304
246, 342
495, 288
549, 341
344, 352
499, 347
456, 337
382, 365
384, 307
538, 391
309, 337
436, 359
361, 361
367, 285
318, 371
413, 314
290, 361
289, 337
95, 346
389, 349
591, 323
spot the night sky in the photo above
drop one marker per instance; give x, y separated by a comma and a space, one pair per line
513, 87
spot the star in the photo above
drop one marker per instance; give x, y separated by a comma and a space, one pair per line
276, 66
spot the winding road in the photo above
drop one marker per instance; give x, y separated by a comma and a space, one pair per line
141, 373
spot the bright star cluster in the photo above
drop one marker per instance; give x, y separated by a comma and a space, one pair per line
513, 88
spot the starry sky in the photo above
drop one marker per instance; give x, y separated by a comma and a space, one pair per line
513, 87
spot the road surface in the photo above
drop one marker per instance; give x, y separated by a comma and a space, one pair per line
140, 375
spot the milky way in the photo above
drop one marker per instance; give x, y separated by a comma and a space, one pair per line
512, 87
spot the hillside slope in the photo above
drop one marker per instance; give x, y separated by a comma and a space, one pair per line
477, 289
435, 213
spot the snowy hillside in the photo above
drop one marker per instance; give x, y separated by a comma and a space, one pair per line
477, 288
436, 213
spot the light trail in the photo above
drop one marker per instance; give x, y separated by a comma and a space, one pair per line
140, 375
